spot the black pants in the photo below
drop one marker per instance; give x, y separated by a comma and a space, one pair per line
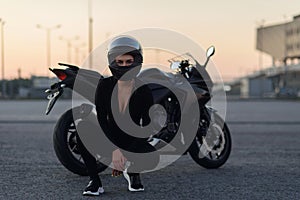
145, 163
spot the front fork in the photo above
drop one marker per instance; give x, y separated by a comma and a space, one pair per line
204, 122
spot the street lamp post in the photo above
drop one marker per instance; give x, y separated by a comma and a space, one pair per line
90, 47
261, 44
2, 57
69, 45
76, 48
48, 41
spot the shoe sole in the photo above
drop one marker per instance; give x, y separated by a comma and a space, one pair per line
126, 176
89, 193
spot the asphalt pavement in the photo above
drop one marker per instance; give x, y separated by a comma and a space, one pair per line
264, 164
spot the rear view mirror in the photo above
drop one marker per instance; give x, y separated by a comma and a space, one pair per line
210, 51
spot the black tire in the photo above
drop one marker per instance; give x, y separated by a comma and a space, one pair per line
65, 145
219, 153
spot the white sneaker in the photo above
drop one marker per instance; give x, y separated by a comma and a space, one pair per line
134, 182
93, 189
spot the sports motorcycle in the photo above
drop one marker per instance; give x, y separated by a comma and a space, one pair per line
210, 143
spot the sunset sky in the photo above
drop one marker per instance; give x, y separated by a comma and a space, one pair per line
229, 25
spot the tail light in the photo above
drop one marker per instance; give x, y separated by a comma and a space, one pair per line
59, 73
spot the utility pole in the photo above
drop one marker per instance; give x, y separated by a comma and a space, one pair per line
2, 58
69, 46
48, 42
90, 30
76, 48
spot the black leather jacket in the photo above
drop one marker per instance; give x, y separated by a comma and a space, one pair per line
139, 104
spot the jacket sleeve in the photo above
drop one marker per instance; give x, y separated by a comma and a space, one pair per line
102, 112
144, 101
147, 102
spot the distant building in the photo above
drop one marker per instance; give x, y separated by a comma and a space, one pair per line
257, 85
282, 81
281, 41
40, 84
23, 92
42, 81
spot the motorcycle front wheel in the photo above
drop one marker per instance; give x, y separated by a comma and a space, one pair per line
213, 150
65, 145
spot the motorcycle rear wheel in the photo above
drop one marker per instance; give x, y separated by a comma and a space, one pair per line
213, 150
65, 145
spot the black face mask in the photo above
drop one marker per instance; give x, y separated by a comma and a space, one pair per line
125, 73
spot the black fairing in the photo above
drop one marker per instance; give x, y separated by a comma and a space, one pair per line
200, 77
159, 92
85, 83
199, 80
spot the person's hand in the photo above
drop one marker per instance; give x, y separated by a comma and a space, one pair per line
118, 160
